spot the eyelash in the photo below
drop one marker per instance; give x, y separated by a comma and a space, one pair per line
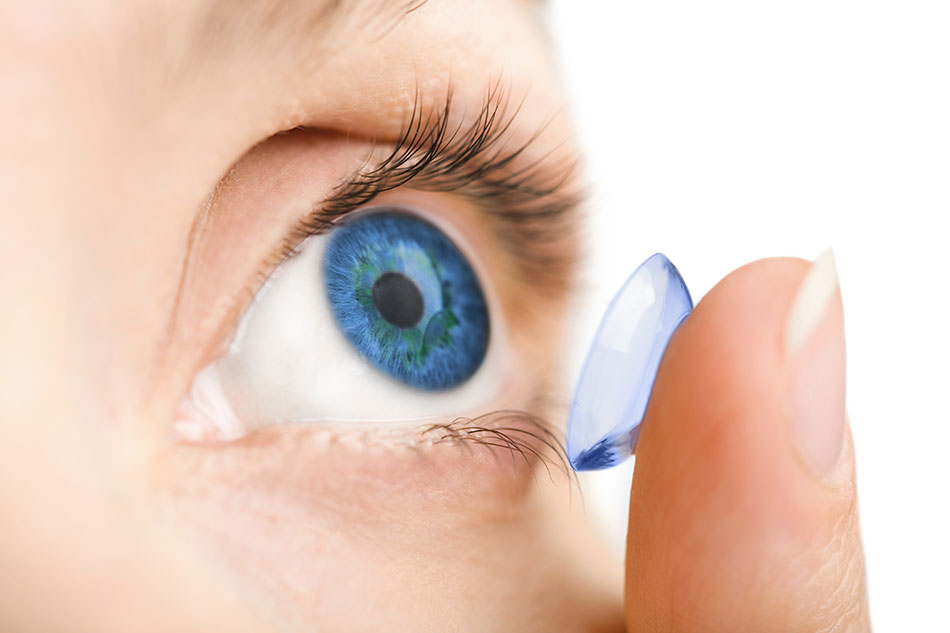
500, 429
532, 204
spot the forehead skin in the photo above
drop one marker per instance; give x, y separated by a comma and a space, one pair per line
118, 118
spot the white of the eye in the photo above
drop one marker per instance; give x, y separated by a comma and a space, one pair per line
289, 362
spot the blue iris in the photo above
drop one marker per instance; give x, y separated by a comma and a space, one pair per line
407, 300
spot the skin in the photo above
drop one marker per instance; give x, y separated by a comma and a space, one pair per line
144, 195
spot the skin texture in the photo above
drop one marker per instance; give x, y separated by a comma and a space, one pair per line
144, 196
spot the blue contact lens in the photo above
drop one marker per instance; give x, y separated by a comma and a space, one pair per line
615, 383
406, 298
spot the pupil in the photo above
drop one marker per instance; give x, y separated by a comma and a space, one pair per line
398, 299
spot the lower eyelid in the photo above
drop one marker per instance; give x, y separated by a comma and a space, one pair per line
206, 415
501, 448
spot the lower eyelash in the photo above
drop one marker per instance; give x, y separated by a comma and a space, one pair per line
527, 436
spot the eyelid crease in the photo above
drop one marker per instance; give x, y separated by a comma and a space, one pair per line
533, 205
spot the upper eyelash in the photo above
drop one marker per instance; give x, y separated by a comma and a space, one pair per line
534, 204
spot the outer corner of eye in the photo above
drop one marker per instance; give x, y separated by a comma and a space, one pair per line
383, 319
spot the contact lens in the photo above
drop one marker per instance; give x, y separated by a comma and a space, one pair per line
615, 383
407, 299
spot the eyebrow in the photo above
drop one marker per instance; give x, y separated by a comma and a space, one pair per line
222, 24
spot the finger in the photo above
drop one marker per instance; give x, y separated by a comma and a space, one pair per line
743, 513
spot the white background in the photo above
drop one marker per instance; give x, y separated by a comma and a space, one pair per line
722, 132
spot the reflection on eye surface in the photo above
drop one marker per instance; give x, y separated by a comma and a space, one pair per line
407, 300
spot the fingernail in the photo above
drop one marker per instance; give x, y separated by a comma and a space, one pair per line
814, 344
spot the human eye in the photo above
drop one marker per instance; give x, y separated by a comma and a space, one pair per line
382, 319
397, 303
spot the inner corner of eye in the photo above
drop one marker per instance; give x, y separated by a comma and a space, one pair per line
381, 318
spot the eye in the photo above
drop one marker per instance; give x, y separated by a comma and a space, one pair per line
407, 300
383, 319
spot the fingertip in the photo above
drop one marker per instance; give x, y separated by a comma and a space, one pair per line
722, 372
728, 527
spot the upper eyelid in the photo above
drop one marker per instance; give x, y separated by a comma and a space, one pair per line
530, 202
533, 202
